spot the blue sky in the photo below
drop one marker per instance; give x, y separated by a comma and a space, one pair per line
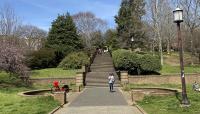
42, 12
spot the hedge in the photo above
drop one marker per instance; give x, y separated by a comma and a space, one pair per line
74, 61
43, 58
128, 60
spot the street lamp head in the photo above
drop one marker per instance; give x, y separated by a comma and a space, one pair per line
132, 39
178, 15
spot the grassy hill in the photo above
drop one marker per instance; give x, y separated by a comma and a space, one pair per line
172, 64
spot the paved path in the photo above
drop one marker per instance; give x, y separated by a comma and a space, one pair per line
99, 97
99, 101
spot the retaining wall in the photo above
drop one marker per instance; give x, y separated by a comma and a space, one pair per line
164, 79
50, 80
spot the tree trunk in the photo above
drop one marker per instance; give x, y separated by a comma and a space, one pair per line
168, 47
199, 58
192, 51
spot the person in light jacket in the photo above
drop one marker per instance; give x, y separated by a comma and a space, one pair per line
111, 80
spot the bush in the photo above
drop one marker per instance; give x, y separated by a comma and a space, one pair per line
125, 59
43, 58
130, 61
150, 63
74, 61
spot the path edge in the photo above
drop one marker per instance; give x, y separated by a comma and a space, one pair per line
59, 107
133, 103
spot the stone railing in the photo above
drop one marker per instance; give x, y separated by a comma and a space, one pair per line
124, 77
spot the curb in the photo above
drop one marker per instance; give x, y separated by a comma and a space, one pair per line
68, 103
25, 93
140, 109
56, 109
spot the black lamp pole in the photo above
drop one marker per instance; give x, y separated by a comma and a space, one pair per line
185, 100
178, 18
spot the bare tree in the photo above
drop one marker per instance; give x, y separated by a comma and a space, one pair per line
87, 24
32, 36
8, 20
155, 6
192, 20
167, 26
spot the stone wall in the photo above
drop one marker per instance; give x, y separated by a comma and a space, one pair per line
164, 79
50, 80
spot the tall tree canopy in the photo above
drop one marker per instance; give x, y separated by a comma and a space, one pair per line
63, 35
88, 25
111, 39
129, 21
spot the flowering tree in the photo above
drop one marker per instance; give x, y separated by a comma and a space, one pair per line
12, 60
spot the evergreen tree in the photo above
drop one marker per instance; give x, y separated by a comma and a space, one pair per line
111, 39
63, 37
129, 21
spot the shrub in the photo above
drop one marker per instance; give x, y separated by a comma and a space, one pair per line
43, 58
150, 63
121, 61
130, 61
74, 61
125, 59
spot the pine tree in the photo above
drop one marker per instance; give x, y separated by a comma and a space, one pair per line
111, 39
63, 37
129, 21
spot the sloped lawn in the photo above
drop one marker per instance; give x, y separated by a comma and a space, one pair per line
170, 104
11, 103
52, 73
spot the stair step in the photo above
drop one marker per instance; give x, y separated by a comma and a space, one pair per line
101, 66
103, 70
100, 85
101, 63
99, 76
100, 80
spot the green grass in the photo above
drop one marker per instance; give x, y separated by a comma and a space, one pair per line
52, 73
170, 104
172, 64
167, 69
11, 103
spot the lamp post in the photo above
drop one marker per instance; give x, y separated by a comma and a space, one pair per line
132, 40
178, 18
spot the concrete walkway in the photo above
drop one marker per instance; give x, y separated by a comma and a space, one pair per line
99, 101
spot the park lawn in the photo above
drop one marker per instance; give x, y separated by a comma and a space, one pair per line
167, 69
11, 103
52, 73
172, 64
170, 104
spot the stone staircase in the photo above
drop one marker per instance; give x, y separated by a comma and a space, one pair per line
100, 69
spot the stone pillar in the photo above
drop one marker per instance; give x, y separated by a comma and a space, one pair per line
124, 77
79, 78
60, 97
